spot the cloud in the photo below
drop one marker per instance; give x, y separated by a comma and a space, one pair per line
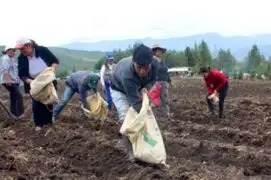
56, 22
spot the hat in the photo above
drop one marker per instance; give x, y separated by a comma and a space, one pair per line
9, 46
93, 81
157, 46
21, 42
110, 57
142, 55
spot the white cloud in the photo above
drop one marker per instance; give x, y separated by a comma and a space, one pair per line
56, 22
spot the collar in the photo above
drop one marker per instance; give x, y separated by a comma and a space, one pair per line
33, 55
157, 58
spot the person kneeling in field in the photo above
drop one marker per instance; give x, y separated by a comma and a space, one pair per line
132, 76
216, 83
78, 82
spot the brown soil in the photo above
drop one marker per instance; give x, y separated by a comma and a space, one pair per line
238, 147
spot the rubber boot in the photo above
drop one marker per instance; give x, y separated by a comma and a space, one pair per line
128, 148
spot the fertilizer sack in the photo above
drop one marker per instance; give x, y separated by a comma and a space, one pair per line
143, 132
42, 88
98, 107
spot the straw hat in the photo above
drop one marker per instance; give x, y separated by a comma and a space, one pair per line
157, 46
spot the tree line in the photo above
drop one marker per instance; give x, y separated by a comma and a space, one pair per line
200, 55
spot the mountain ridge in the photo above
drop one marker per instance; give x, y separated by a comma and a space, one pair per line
239, 45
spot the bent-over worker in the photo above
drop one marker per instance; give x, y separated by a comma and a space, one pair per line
79, 82
216, 83
132, 76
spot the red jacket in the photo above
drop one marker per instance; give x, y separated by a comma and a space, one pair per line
215, 81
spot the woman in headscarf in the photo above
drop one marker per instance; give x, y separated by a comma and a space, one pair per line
11, 81
105, 74
163, 78
33, 60
216, 83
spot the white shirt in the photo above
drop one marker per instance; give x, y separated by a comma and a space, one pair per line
110, 66
36, 65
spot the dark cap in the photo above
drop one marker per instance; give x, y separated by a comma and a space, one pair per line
93, 81
142, 55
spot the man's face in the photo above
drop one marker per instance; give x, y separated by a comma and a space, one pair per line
142, 71
110, 62
159, 52
27, 50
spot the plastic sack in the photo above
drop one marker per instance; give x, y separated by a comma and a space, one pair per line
144, 134
42, 88
154, 94
98, 107
214, 98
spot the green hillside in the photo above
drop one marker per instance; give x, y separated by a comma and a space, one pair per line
70, 59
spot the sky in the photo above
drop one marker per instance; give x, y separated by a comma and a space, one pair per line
59, 22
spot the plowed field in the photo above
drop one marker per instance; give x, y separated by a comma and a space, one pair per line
237, 147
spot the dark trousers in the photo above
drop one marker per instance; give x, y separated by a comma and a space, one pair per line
16, 99
222, 96
42, 114
108, 95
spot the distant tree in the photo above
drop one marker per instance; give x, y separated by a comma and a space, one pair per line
191, 61
253, 59
205, 54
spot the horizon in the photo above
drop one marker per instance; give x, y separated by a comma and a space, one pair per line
81, 40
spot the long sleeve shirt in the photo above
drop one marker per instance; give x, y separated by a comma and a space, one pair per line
9, 70
124, 79
106, 72
215, 81
78, 81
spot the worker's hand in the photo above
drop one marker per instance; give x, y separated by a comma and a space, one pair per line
144, 91
215, 92
28, 81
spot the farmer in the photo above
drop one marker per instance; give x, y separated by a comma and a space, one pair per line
11, 81
33, 60
132, 76
216, 83
163, 78
78, 82
105, 73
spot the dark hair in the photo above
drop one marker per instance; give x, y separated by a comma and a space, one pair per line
204, 69
4, 52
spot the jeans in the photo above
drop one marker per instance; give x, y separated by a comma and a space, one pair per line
122, 106
67, 95
222, 96
108, 95
16, 99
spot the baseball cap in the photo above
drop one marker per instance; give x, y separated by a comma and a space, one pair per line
9, 46
110, 56
93, 81
21, 42
142, 55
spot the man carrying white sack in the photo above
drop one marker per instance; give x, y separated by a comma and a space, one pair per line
132, 76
